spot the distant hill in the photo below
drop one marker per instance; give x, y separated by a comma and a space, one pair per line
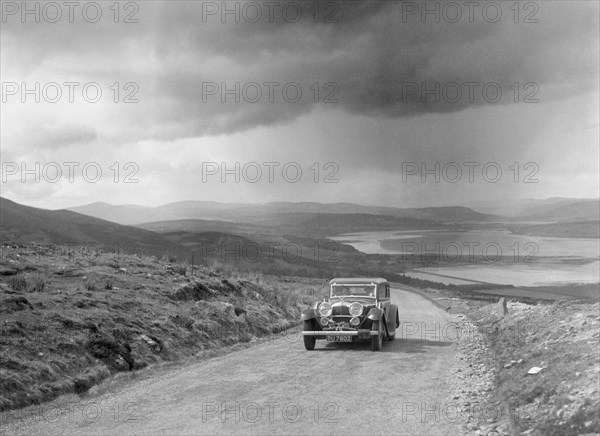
588, 210
20, 223
549, 210
265, 214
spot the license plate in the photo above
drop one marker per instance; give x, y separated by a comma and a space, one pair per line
339, 338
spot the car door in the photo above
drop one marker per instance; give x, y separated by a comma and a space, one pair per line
383, 291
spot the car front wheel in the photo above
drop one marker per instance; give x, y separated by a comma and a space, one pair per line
392, 334
376, 340
309, 341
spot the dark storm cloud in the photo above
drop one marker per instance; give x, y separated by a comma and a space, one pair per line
379, 63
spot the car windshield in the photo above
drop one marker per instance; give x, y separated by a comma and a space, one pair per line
362, 290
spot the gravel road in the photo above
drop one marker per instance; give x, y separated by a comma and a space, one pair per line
277, 387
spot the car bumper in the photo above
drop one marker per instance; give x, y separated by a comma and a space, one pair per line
361, 333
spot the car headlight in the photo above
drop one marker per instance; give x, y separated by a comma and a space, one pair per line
324, 321
325, 309
355, 321
356, 309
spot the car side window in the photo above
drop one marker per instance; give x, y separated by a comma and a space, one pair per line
381, 291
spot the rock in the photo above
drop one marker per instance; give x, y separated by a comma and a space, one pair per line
502, 308
508, 365
148, 340
195, 291
534, 370
153, 342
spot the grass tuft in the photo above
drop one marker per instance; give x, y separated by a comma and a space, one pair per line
37, 283
91, 282
18, 282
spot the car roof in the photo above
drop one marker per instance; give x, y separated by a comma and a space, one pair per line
357, 280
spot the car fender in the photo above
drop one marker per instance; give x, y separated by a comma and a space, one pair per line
308, 314
375, 314
393, 323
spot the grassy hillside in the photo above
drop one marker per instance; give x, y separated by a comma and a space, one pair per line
69, 320
20, 223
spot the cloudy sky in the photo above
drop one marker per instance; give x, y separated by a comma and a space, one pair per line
299, 101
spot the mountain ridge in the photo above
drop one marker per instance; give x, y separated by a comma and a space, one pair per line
253, 213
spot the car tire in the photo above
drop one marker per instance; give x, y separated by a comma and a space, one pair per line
392, 335
376, 340
309, 341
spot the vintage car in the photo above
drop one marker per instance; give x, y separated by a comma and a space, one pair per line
357, 308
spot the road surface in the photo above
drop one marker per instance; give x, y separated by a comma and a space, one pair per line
277, 387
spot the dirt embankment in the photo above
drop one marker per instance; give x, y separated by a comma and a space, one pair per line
547, 364
71, 319
546, 356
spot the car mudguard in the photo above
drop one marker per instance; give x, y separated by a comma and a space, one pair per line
375, 314
393, 322
308, 314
